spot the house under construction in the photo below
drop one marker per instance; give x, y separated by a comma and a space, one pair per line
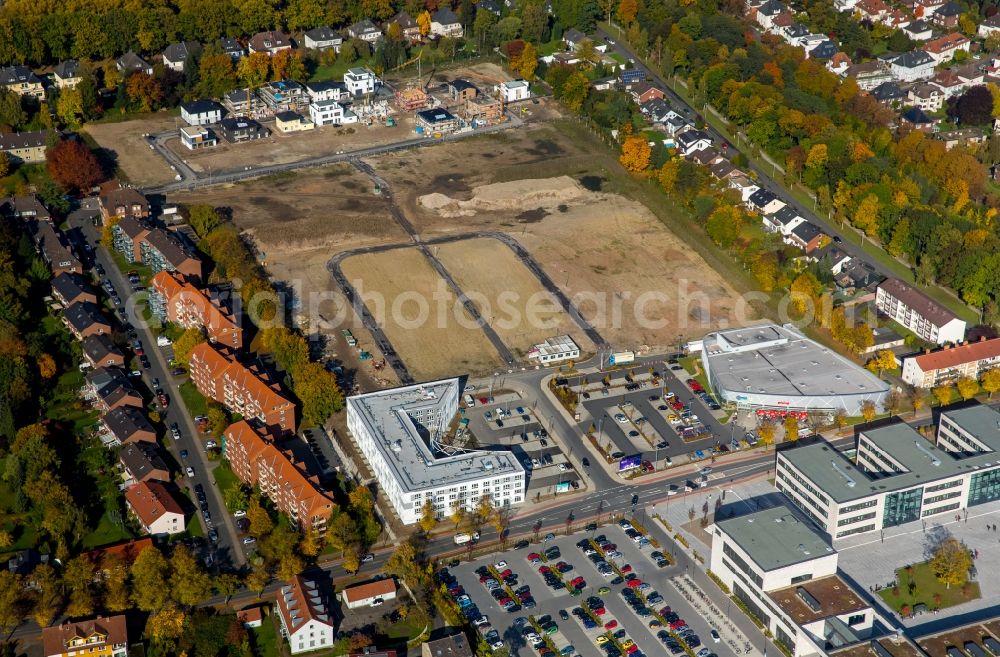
411, 100
481, 108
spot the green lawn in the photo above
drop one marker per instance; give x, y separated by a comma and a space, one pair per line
927, 587
335, 70
264, 639
106, 533
193, 400
224, 477
405, 629
550, 48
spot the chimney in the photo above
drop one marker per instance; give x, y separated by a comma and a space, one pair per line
982, 338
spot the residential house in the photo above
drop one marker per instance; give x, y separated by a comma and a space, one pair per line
946, 16
918, 30
292, 122
327, 90
967, 360
919, 313
783, 221
26, 147
643, 92
52, 245
108, 388
251, 616
166, 250
322, 38
22, 81
330, 112
408, 27
124, 553
133, 63
873, 10
239, 129
692, 140
155, 508
177, 55
492, 6
104, 636
831, 258
573, 38
70, 288
142, 462
723, 169
270, 42
943, 48
197, 137
869, 75
764, 202
259, 463
794, 33
629, 75
28, 208
917, 119
767, 12
823, 50
365, 30
242, 389
948, 83
232, 48
124, 203
174, 299
437, 120
961, 136
126, 424
360, 81
839, 64
884, 337
706, 157
856, 274
926, 96
100, 351
444, 23
989, 27
369, 594
455, 645
85, 318
513, 91
306, 620
806, 236
912, 66
462, 90
201, 112
744, 185
889, 93
656, 110
67, 74
282, 95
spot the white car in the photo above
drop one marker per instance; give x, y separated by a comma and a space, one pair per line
211, 444
377, 602
500, 565
482, 620
239, 513
620, 418
190, 471
563, 467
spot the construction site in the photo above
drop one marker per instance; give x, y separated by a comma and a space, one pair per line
468, 94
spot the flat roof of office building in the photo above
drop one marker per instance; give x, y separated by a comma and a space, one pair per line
776, 537
406, 446
778, 360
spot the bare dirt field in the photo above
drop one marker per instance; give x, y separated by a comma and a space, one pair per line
508, 296
419, 314
138, 162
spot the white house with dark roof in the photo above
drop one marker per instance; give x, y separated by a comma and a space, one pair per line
201, 112
693, 140
66, 74
133, 63
22, 81
232, 48
322, 38
911, 66
365, 30
176, 55
360, 81
444, 23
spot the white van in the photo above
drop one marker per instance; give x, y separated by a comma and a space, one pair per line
469, 401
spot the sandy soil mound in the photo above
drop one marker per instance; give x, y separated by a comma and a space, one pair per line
519, 195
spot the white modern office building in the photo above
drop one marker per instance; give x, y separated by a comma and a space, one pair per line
403, 435
777, 367
785, 572
897, 475
555, 350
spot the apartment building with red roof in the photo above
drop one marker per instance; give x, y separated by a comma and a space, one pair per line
241, 389
967, 360
304, 615
155, 508
257, 461
98, 637
174, 299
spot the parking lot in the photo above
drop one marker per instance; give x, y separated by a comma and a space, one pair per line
635, 422
513, 423
600, 620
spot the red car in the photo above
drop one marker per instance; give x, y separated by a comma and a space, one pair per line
507, 573
626, 569
484, 578
505, 601
579, 582
678, 624
533, 557
544, 570
677, 405
484, 401
632, 649
611, 624
164, 400
634, 584
607, 547
600, 611
524, 596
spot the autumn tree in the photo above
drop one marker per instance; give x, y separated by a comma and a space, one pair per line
261, 523
11, 601
791, 426
150, 576
47, 594
868, 410
765, 434
253, 69
575, 91
4, 164
165, 627
78, 579
351, 561
189, 584
627, 10
424, 23
187, 341
46, 366
893, 402
203, 218
428, 516
228, 585
143, 91
942, 393
883, 360
258, 579
990, 381
457, 513
12, 114
116, 596
526, 62
341, 531
967, 387
951, 562
69, 107
73, 165
635, 154
724, 225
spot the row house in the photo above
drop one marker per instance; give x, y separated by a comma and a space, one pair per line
123, 202
967, 360
109, 388
943, 49
127, 424
258, 462
26, 147
22, 81
85, 319
24, 207
70, 288
239, 388
155, 508
100, 351
176, 300
141, 462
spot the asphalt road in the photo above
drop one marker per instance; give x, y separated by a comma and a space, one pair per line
228, 552
764, 179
